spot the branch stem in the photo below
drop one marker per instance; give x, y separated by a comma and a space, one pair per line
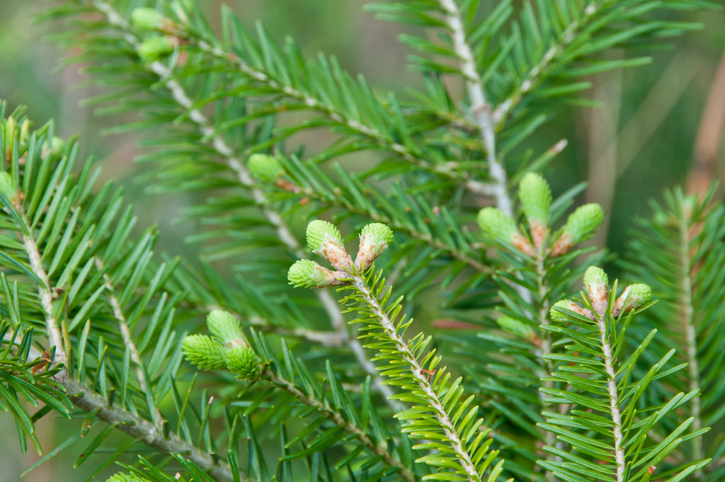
480, 109
688, 323
613, 397
221, 147
452, 436
336, 418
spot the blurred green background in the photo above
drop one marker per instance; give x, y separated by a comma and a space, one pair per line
646, 138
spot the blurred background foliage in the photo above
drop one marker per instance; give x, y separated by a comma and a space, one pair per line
658, 126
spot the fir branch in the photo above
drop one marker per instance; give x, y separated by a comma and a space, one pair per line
45, 293
688, 322
219, 144
337, 418
128, 340
453, 437
480, 109
368, 132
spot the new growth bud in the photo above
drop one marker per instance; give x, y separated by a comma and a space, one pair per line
243, 362
145, 18
580, 226
204, 352
596, 283
308, 274
535, 196
638, 295
374, 239
154, 48
264, 167
502, 229
226, 329
324, 239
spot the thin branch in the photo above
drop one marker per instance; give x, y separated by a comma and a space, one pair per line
46, 295
337, 418
283, 233
546, 349
534, 76
452, 436
613, 397
479, 107
690, 329
128, 341
333, 114
138, 428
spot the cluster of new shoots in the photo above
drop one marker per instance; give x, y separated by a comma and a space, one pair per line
535, 197
126, 478
225, 349
596, 285
324, 239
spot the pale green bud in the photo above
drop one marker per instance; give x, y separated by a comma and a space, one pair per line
226, 329
535, 196
154, 48
145, 18
57, 145
7, 186
638, 295
204, 352
319, 231
595, 276
243, 362
497, 225
324, 239
515, 327
25, 131
584, 222
374, 239
596, 283
264, 167
557, 315
308, 274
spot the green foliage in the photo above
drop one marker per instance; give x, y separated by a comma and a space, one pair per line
607, 428
305, 401
678, 252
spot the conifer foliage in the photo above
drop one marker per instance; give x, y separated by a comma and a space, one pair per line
305, 363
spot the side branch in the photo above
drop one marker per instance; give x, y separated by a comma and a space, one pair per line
221, 147
421, 378
480, 109
336, 418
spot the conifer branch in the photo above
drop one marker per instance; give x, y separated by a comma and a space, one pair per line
688, 322
613, 395
537, 73
128, 341
336, 417
219, 144
419, 373
135, 426
233, 61
45, 293
480, 109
